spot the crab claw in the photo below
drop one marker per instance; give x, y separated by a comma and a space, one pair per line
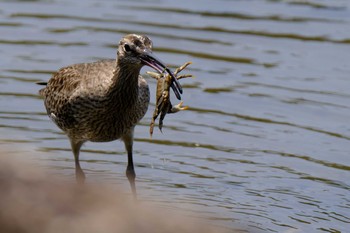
178, 108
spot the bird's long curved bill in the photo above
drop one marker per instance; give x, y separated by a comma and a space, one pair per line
150, 60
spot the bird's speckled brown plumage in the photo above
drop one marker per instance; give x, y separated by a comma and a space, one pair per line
104, 100
96, 101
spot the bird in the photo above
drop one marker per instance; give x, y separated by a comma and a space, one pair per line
104, 100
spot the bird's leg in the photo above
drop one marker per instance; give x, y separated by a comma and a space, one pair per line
79, 173
128, 139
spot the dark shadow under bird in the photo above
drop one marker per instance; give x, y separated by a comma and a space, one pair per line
104, 100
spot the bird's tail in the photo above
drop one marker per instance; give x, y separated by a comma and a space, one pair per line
41, 91
41, 83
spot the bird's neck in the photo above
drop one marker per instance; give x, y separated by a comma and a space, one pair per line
124, 89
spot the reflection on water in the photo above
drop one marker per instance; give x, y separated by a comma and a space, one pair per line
265, 143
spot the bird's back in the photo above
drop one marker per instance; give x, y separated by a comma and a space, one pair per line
79, 76
77, 99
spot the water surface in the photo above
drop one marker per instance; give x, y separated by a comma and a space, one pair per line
265, 144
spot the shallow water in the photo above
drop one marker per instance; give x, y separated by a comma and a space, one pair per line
265, 144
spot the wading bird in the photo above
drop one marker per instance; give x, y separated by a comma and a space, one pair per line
104, 100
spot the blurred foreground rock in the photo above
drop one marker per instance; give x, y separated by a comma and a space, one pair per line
32, 201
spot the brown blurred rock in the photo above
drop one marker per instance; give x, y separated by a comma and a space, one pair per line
33, 202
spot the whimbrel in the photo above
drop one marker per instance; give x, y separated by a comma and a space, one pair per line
104, 100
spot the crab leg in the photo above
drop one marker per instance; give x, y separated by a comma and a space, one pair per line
178, 108
181, 68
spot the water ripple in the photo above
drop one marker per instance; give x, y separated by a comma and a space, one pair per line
232, 15
265, 146
270, 121
42, 42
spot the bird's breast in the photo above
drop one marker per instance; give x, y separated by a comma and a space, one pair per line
107, 119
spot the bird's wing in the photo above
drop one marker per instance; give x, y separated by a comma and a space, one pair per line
65, 81
58, 91
67, 84
68, 79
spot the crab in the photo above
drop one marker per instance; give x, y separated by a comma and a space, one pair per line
163, 104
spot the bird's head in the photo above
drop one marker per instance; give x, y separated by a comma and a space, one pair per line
136, 51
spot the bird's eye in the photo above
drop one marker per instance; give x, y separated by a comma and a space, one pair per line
127, 48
